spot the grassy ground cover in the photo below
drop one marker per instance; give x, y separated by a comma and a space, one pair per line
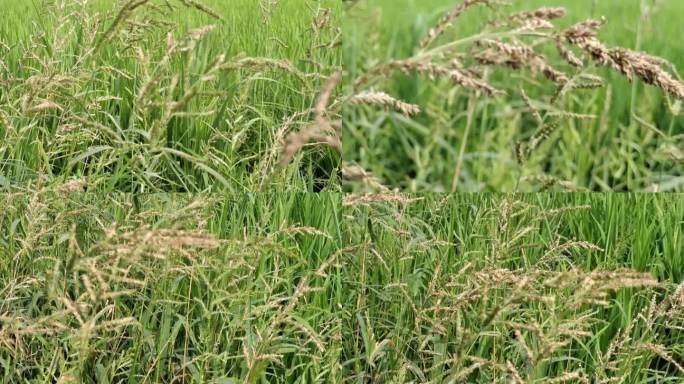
169, 288
165, 96
545, 288
630, 136
157, 160
304, 288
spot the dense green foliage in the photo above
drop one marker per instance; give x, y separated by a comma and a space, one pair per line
87, 93
299, 288
158, 160
633, 143
169, 288
480, 288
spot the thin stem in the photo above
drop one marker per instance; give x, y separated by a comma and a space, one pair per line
461, 153
470, 39
637, 47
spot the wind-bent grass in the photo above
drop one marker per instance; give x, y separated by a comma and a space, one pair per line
301, 288
170, 288
544, 288
137, 96
466, 141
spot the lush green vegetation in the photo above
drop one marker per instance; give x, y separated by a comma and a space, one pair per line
122, 96
464, 140
301, 288
170, 288
479, 288
158, 160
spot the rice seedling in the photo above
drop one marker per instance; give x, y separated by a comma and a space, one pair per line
151, 95
492, 96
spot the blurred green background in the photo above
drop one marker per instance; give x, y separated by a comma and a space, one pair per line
628, 147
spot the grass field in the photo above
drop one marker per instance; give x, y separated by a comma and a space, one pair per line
314, 288
543, 288
160, 96
169, 288
628, 137
172, 176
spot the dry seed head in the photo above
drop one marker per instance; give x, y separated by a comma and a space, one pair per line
534, 20
648, 69
321, 130
124, 14
432, 70
356, 173
535, 111
324, 94
116, 323
198, 33
264, 62
540, 136
676, 299
515, 375
446, 20
44, 106
4, 121
569, 56
309, 332
467, 371
77, 185
581, 81
535, 24
557, 211
517, 55
629, 63
384, 100
170, 42
589, 78
545, 13
571, 115
369, 198
596, 282
304, 230
203, 8
583, 31
521, 152
158, 243
661, 352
